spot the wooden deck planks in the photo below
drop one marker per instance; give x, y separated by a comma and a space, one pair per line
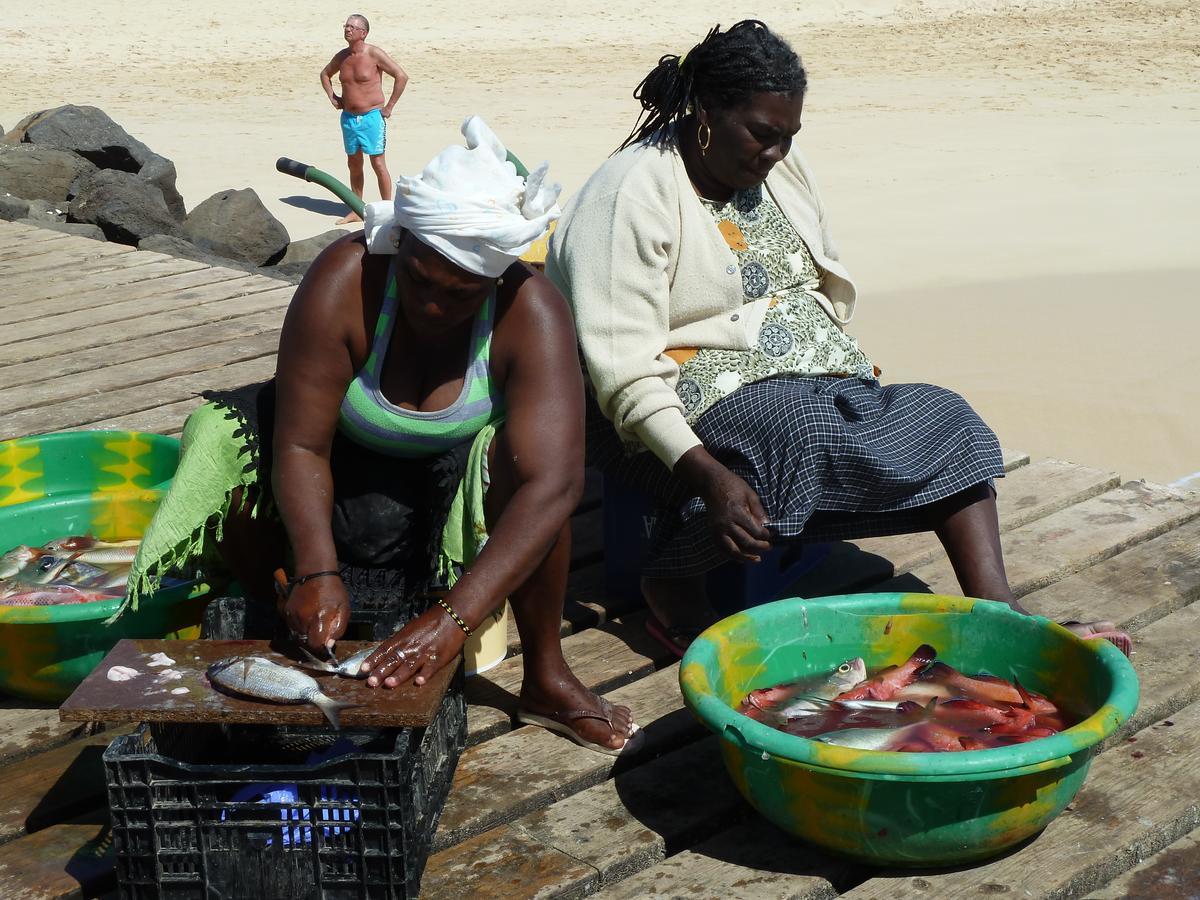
524, 770
53, 787
31, 255
753, 860
101, 269
63, 862
27, 727
1069, 541
167, 419
88, 334
23, 380
223, 346
1171, 874
522, 866
603, 658
99, 290
1136, 801
531, 814
1167, 663
1133, 588
124, 401
71, 313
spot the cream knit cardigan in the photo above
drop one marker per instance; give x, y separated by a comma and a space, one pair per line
645, 270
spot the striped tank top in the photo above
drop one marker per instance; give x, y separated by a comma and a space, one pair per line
369, 419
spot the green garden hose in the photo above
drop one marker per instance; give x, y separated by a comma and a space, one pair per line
306, 172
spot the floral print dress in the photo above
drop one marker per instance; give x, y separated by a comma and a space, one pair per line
797, 337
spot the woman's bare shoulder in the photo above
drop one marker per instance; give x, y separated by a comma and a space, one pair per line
530, 309
339, 276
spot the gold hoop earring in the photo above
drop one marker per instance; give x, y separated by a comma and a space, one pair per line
703, 142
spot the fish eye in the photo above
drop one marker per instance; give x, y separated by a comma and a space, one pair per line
844, 668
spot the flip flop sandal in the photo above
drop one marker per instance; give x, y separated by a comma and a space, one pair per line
559, 723
1121, 639
676, 639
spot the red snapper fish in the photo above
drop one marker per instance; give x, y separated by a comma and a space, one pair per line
986, 688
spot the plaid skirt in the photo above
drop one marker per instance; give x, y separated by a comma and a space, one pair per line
830, 459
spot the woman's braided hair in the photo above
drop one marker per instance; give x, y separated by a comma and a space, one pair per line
721, 71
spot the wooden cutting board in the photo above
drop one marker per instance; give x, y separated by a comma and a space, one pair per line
156, 695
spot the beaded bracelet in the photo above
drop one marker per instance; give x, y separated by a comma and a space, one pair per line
455, 616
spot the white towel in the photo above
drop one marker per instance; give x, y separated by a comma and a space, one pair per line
469, 204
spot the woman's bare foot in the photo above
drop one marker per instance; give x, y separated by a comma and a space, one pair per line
565, 700
348, 219
1106, 630
680, 610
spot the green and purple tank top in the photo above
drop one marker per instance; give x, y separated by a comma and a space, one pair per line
368, 418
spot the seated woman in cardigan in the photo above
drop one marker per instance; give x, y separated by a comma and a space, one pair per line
711, 304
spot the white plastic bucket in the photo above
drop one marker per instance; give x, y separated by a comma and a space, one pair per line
488, 644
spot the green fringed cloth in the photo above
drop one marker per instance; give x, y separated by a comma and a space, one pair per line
226, 445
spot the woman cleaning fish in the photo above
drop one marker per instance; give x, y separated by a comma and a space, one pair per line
919, 706
426, 423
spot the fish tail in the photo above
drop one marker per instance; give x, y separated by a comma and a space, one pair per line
332, 709
924, 655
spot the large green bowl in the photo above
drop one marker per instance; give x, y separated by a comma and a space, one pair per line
84, 462
907, 809
107, 484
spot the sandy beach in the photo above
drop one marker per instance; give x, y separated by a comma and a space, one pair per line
1015, 187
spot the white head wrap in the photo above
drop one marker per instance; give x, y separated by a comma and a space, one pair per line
469, 204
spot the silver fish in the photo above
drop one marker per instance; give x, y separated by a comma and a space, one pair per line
109, 556
863, 738
810, 694
253, 676
17, 559
43, 570
81, 574
348, 668
871, 704
76, 543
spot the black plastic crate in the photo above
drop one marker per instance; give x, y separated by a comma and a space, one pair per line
189, 820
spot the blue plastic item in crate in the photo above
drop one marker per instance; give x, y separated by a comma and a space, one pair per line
732, 587
336, 805
191, 815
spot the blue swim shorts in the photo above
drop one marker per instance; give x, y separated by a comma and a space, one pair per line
366, 132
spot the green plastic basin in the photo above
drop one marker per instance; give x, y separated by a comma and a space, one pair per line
104, 483
84, 462
907, 809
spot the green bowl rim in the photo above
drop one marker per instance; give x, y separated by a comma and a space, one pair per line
100, 609
757, 737
62, 437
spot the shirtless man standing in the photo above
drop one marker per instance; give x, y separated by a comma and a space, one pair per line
360, 68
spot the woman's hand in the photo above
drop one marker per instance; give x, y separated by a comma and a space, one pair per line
735, 512
419, 649
317, 612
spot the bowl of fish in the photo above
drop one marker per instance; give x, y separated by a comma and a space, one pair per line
906, 729
73, 508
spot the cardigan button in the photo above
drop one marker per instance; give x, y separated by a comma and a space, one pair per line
734, 317
731, 269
